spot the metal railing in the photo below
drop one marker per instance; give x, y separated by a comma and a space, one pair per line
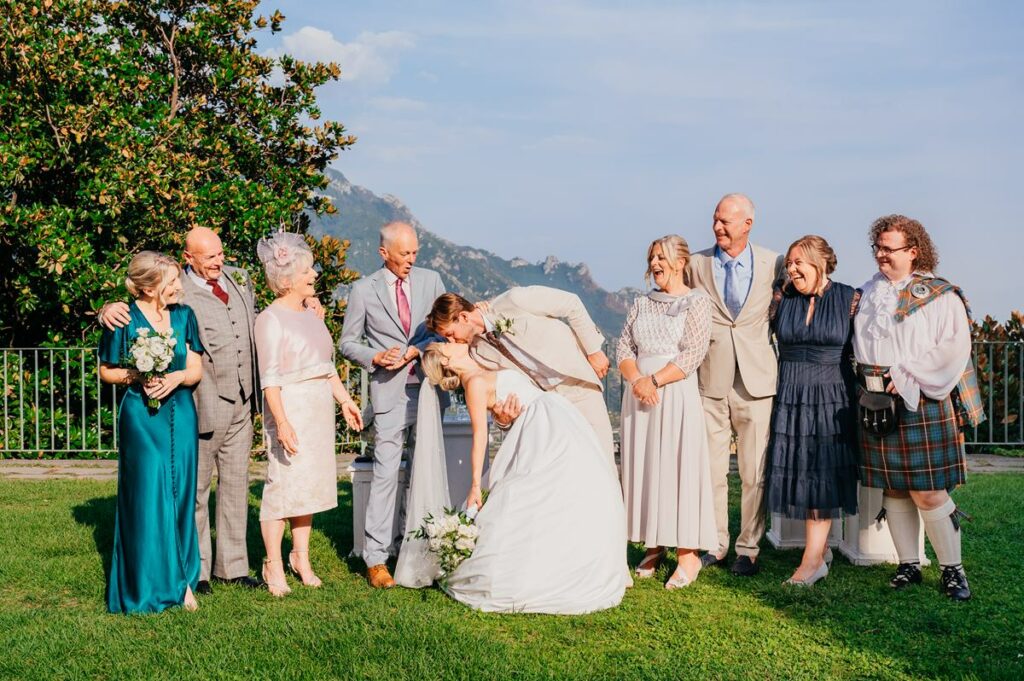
54, 404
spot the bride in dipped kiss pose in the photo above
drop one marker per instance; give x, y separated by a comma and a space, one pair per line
553, 530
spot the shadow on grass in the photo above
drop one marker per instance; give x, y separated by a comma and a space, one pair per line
99, 514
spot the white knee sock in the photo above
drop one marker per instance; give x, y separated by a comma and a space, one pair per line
942, 533
904, 526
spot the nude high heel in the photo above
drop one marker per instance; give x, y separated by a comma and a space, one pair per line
276, 589
314, 582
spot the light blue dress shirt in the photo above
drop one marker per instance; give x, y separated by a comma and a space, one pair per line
744, 271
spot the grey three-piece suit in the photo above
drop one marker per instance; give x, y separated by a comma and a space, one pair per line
225, 402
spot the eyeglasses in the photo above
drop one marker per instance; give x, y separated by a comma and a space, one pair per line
884, 250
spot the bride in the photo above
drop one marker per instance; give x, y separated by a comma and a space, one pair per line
553, 530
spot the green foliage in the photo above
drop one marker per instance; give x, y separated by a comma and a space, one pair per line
999, 358
123, 125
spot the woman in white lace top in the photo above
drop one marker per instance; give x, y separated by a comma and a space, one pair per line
666, 475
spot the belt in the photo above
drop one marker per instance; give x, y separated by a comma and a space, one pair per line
814, 354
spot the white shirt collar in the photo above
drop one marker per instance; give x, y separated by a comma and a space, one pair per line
390, 277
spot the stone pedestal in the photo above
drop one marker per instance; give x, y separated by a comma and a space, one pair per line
858, 537
458, 443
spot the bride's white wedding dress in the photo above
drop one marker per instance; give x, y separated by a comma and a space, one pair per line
553, 529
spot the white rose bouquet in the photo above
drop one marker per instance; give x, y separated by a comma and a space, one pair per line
451, 537
151, 354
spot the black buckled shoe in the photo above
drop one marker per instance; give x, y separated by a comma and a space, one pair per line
906, 574
709, 559
246, 581
954, 583
203, 588
743, 566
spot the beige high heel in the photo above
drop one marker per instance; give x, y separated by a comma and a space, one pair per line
190, 604
680, 579
649, 565
276, 589
315, 582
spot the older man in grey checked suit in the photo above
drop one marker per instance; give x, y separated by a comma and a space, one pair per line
383, 319
223, 300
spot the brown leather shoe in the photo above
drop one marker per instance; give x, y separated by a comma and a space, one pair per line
379, 577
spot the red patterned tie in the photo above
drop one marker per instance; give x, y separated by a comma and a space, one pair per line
404, 314
218, 291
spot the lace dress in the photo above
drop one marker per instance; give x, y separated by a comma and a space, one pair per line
666, 471
812, 459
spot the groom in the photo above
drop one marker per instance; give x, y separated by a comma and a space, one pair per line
522, 329
383, 325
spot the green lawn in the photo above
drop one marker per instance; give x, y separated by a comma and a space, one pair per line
56, 541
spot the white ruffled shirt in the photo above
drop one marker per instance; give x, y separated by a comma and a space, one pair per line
927, 352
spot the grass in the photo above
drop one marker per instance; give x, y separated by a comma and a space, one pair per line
56, 540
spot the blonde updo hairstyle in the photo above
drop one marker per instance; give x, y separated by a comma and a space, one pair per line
151, 270
435, 367
671, 245
820, 256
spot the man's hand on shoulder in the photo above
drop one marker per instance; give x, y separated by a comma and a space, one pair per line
600, 362
114, 315
312, 304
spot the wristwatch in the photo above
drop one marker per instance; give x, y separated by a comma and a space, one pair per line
654, 380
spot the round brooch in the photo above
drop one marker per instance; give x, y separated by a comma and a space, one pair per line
919, 290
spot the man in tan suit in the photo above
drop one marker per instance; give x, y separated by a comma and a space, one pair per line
737, 378
522, 329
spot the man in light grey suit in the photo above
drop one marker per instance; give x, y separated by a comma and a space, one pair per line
385, 313
737, 378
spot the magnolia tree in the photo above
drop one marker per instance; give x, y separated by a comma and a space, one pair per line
124, 124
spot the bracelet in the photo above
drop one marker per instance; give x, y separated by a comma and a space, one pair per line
654, 380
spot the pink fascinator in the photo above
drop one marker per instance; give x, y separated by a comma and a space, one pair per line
279, 249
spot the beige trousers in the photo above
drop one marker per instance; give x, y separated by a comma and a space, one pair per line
750, 417
590, 401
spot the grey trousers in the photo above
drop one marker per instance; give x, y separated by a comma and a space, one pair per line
226, 449
390, 437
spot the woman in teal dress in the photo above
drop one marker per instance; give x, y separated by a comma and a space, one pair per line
156, 548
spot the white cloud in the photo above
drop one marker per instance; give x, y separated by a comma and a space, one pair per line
371, 58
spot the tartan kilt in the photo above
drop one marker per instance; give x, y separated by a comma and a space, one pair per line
926, 452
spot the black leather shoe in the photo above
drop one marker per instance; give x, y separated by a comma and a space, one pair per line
245, 581
203, 588
711, 560
743, 566
906, 574
954, 583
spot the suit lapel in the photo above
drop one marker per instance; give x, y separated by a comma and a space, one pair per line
764, 271
708, 274
420, 305
380, 285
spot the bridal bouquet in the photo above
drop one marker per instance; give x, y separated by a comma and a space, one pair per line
450, 536
152, 354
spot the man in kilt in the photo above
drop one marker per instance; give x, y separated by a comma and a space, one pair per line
912, 342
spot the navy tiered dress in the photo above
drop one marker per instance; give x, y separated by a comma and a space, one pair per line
812, 459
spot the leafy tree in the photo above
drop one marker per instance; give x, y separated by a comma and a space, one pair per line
124, 124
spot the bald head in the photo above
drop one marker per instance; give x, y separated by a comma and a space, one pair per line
734, 216
398, 247
204, 252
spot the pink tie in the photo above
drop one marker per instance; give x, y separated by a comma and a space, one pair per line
404, 314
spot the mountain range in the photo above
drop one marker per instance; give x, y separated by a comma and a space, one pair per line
473, 272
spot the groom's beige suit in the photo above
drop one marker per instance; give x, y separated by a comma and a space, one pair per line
737, 383
557, 350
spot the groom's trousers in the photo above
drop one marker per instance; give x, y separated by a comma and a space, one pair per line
391, 427
590, 401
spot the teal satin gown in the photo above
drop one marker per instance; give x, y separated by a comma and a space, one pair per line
156, 547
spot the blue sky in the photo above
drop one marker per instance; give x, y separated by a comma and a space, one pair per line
585, 129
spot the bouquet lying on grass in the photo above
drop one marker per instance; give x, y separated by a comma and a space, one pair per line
151, 355
450, 536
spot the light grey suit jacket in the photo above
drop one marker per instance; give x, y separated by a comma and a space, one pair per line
743, 343
221, 347
371, 315
537, 328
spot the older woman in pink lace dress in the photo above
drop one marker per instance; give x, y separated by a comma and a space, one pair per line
666, 473
300, 386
